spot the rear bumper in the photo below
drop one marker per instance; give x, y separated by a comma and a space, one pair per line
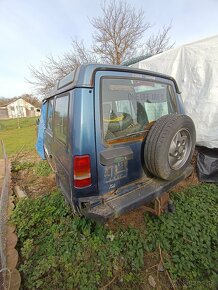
132, 199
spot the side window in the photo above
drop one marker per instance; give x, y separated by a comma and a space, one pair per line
61, 118
50, 114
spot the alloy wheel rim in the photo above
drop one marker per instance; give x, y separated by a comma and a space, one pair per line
180, 148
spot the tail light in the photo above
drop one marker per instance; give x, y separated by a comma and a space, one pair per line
82, 171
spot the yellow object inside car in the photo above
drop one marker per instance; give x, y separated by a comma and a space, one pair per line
117, 119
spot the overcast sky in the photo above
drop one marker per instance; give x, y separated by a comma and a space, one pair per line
30, 30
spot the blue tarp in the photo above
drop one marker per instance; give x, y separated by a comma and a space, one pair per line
41, 130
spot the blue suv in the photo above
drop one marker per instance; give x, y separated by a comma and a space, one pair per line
116, 137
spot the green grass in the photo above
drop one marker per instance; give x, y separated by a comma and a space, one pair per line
61, 251
13, 123
16, 139
189, 238
42, 168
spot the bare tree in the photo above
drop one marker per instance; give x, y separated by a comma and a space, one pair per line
159, 42
44, 78
31, 99
27, 97
118, 31
4, 101
118, 36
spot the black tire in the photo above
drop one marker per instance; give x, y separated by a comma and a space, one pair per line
169, 146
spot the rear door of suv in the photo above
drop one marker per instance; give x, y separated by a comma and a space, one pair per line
125, 104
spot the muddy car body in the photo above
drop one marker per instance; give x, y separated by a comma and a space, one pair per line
98, 120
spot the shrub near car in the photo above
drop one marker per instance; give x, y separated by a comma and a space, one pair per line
116, 137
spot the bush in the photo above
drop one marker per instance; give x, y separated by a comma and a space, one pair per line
18, 166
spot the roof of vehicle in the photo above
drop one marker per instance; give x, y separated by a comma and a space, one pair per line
83, 76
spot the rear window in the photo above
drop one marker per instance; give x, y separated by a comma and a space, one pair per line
61, 118
128, 105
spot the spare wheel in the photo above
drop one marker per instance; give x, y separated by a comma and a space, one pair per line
169, 146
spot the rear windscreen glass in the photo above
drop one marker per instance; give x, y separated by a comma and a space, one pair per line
128, 105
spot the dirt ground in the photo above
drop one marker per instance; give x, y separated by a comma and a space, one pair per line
32, 184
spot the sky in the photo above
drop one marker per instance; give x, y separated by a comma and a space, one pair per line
30, 30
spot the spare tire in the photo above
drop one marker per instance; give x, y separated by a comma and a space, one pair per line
169, 146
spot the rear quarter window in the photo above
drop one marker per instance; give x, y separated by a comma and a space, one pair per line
61, 118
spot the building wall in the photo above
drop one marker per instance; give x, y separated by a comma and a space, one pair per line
20, 108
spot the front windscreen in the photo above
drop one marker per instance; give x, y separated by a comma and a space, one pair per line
129, 105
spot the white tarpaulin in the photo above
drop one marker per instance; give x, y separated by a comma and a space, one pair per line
195, 68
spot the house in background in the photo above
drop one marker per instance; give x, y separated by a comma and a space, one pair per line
18, 109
